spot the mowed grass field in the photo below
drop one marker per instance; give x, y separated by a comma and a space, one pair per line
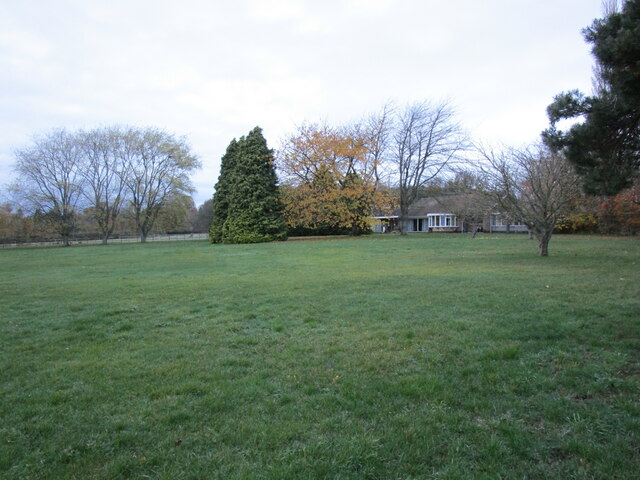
432, 356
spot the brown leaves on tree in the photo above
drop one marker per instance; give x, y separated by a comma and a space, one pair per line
331, 179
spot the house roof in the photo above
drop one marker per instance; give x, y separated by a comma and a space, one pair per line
424, 206
453, 203
444, 204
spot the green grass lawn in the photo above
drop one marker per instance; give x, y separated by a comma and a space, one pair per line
432, 356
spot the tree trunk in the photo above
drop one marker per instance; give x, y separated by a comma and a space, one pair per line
402, 220
543, 242
402, 224
106, 233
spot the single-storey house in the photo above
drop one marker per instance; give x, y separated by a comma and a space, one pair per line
501, 223
447, 213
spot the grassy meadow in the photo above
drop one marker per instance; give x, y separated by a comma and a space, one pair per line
431, 356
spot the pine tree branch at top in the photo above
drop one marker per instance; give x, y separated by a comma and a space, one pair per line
604, 146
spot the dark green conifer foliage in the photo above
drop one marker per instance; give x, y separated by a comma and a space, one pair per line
221, 195
250, 210
605, 147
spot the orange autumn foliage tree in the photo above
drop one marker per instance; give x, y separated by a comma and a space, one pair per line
621, 214
329, 180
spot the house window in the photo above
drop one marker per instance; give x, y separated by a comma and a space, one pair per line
442, 220
417, 224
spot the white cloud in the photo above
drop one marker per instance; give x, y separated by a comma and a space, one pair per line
276, 10
375, 7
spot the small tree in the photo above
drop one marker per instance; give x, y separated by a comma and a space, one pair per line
535, 186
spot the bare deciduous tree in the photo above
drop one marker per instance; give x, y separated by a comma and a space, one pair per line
426, 140
105, 174
51, 179
104, 169
534, 185
375, 131
158, 165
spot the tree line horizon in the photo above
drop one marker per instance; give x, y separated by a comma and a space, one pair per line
332, 178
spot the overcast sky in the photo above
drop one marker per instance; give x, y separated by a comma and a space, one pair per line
214, 69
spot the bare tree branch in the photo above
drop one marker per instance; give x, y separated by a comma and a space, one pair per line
50, 172
157, 167
532, 185
426, 141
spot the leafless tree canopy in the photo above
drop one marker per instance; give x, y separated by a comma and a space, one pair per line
158, 165
51, 178
103, 170
533, 185
105, 174
426, 141
377, 130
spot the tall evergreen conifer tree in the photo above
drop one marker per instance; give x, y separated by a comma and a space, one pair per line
221, 195
248, 209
